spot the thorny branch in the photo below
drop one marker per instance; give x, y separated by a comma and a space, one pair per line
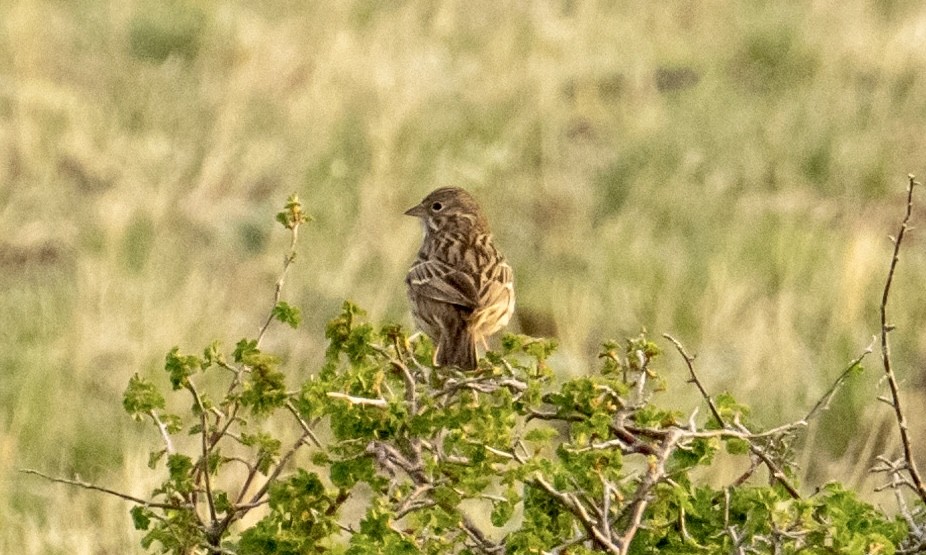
776, 472
757, 451
94, 487
689, 361
895, 401
823, 403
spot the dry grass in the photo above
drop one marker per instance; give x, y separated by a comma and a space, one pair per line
726, 173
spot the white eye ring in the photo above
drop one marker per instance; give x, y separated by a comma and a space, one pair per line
437, 207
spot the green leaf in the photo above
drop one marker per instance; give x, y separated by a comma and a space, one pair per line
287, 314
154, 457
346, 473
141, 397
652, 416
265, 388
173, 422
610, 356
181, 367
737, 446
538, 348
141, 517
222, 503
730, 410
292, 215
268, 449
446, 496
541, 434
213, 353
244, 349
180, 468
698, 452
502, 512
641, 350
347, 335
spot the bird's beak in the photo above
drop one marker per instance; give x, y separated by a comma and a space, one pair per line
417, 211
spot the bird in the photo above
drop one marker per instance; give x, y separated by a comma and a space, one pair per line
460, 288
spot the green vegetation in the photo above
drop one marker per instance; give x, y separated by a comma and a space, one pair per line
727, 174
407, 458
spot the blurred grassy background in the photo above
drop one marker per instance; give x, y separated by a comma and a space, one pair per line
726, 172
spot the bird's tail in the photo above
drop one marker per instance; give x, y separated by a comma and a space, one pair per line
457, 347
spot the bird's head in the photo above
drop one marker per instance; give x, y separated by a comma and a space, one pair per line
449, 207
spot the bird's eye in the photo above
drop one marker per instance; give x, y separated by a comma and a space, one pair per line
437, 207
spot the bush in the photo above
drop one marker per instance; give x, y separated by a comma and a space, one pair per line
380, 452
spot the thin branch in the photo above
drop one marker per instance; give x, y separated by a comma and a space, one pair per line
229, 417
94, 487
689, 362
894, 469
480, 384
824, 402
886, 328
478, 536
775, 471
303, 424
363, 401
279, 468
252, 473
386, 454
411, 395
655, 472
168, 444
580, 512
606, 490
411, 503
618, 428
206, 449
563, 547
278, 289
411, 390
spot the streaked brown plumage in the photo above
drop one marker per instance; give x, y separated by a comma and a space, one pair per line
460, 287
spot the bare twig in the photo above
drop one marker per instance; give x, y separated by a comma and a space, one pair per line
689, 362
640, 386
252, 473
303, 424
895, 469
168, 444
899, 415
364, 401
476, 534
94, 487
824, 401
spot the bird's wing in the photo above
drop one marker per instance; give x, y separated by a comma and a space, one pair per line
439, 281
496, 278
